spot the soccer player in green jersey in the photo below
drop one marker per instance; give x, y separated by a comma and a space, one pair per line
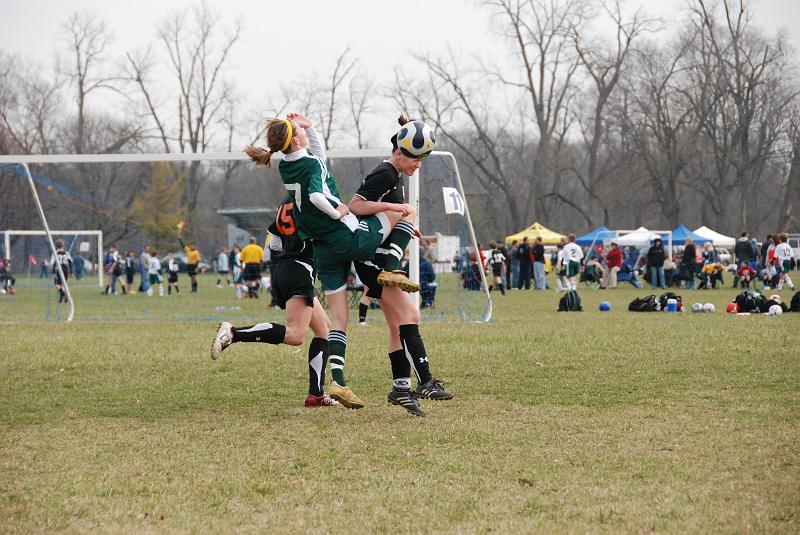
339, 237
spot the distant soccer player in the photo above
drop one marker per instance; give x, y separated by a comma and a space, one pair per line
252, 256
64, 259
154, 274
496, 262
783, 259
293, 280
573, 257
192, 259
172, 275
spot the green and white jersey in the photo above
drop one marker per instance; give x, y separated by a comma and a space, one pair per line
313, 188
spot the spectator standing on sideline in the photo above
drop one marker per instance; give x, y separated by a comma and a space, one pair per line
144, 266
222, 267
613, 265
514, 256
557, 261
655, 260
744, 248
524, 253
540, 282
688, 262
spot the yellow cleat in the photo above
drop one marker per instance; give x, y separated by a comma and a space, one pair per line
345, 396
397, 279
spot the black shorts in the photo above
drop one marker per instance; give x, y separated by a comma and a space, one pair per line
293, 278
497, 271
129, 277
191, 269
252, 272
172, 277
368, 273
57, 277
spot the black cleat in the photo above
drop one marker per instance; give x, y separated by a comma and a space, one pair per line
405, 399
433, 389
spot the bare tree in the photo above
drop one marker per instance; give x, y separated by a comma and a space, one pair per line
604, 67
739, 97
197, 57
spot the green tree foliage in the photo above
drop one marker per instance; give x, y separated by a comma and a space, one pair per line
159, 206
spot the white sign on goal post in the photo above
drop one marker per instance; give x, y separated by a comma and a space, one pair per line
25, 160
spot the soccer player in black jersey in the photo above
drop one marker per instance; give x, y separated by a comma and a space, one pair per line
379, 191
293, 280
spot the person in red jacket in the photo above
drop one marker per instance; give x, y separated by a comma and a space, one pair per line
613, 265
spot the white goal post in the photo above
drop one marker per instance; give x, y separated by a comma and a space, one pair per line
7, 234
24, 160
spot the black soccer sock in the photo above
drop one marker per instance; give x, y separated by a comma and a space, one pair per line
362, 312
317, 360
268, 333
177, 290
337, 347
401, 370
398, 240
415, 351
169, 289
194, 286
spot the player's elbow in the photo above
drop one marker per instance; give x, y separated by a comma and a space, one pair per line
357, 206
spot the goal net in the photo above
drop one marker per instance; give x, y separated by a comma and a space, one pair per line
138, 200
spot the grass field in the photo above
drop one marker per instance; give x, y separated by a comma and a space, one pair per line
581, 422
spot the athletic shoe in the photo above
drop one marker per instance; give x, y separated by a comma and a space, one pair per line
397, 279
362, 323
433, 389
223, 339
345, 396
405, 399
320, 401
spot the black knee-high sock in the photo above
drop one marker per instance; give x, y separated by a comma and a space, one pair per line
401, 370
398, 240
177, 290
169, 289
268, 333
415, 351
362, 312
337, 350
194, 286
317, 360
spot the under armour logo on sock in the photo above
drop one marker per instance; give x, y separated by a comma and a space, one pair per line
423, 359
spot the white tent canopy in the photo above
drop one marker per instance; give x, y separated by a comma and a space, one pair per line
717, 239
640, 237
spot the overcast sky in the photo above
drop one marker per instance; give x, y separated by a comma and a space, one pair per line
289, 39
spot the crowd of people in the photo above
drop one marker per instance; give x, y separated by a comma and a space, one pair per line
523, 265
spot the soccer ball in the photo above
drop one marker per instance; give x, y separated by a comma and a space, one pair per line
416, 139
605, 306
775, 310
2, 291
697, 307
709, 307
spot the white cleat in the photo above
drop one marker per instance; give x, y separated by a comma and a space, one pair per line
222, 340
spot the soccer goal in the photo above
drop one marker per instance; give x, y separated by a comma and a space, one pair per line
135, 200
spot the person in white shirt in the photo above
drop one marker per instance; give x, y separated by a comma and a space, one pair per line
154, 274
558, 268
222, 267
783, 258
172, 275
572, 257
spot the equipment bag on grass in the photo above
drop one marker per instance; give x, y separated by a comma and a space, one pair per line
570, 302
795, 304
644, 304
751, 301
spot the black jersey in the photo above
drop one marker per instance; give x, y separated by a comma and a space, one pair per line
285, 227
384, 184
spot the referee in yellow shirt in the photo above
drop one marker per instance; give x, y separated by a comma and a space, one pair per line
252, 255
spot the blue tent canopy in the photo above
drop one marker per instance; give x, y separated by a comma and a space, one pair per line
680, 234
596, 236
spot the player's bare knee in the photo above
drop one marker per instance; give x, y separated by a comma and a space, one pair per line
294, 337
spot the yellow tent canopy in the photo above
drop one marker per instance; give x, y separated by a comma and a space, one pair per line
549, 237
